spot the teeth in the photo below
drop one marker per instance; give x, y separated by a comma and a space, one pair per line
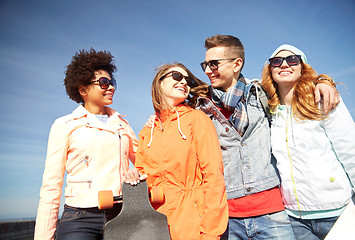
181, 89
285, 73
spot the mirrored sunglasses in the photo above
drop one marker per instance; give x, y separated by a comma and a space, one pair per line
178, 77
213, 64
105, 83
291, 60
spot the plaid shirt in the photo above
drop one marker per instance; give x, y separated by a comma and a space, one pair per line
233, 100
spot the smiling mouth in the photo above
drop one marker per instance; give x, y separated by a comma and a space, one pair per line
285, 73
182, 89
213, 77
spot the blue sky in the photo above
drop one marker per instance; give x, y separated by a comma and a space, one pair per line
39, 38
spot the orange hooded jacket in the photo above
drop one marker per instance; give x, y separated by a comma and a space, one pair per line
181, 153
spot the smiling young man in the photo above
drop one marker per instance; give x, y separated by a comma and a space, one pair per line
252, 184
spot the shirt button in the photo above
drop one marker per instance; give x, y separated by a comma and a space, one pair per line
248, 189
227, 129
331, 179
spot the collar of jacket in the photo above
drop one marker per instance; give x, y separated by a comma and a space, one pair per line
171, 114
80, 112
113, 125
168, 115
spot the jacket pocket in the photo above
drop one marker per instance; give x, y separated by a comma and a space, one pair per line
77, 187
198, 200
83, 162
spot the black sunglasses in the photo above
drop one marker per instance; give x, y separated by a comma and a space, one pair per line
178, 77
291, 60
213, 64
105, 83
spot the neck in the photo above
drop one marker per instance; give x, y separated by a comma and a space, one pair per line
286, 94
233, 82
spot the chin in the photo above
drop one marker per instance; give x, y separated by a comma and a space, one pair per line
215, 84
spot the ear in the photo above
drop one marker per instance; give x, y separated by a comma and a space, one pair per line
82, 90
238, 63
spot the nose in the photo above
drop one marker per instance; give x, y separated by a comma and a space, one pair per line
284, 63
208, 69
111, 88
183, 81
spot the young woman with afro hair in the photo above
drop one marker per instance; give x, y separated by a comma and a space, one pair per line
93, 145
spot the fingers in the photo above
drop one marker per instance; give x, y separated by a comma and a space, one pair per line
334, 100
326, 102
143, 177
328, 94
317, 95
133, 177
331, 99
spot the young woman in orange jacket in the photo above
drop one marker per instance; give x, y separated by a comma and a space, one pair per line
181, 153
92, 144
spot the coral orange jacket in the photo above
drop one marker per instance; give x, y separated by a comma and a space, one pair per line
93, 154
181, 153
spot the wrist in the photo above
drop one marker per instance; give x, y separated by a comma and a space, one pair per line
328, 81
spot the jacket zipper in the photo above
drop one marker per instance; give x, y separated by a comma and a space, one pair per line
83, 181
289, 156
85, 159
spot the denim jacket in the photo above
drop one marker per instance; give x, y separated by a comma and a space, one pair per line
248, 165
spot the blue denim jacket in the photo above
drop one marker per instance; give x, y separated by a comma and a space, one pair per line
248, 165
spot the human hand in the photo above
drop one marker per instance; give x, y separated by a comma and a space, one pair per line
133, 176
150, 121
329, 95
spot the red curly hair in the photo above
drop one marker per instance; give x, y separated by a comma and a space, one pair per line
303, 101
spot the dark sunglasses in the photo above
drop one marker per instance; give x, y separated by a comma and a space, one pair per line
213, 64
178, 77
105, 83
291, 60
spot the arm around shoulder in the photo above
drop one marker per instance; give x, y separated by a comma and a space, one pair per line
326, 91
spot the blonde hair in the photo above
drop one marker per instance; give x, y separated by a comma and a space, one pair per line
199, 88
303, 101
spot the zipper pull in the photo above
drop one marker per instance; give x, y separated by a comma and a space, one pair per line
86, 160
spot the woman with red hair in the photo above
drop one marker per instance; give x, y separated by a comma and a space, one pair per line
315, 152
